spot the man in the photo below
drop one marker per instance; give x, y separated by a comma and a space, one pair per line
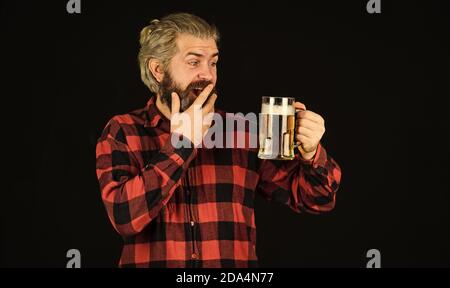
192, 206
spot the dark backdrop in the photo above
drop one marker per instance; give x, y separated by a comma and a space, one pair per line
378, 80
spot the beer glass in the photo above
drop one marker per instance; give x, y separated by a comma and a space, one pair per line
277, 128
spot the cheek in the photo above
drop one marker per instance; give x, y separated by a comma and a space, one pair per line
183, 82
179, 75
186, 78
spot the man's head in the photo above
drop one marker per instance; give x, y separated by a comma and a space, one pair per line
178, 54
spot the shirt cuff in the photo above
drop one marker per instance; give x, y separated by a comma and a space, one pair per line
316, 160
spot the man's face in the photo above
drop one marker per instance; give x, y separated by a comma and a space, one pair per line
191, 69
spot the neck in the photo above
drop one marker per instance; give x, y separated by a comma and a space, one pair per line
162, 107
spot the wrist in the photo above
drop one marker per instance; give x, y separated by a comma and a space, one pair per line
307, 155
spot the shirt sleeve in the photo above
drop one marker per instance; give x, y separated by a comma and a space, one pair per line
305, 186
134, 195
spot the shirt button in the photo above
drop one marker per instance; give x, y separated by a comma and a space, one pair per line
194, 256
192, 223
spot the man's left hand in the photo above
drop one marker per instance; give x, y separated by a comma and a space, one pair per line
309, 129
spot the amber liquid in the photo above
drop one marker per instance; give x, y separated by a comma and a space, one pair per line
276, 137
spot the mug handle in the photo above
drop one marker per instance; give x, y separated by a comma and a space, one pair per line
297, 143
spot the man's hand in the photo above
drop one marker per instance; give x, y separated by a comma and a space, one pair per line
309, 130
193, 127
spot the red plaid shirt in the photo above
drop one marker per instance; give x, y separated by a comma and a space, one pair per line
194, 207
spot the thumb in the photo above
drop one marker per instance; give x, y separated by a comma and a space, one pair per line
175, 103
299, 105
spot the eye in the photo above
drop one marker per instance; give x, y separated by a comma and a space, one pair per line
193, 63
214, 64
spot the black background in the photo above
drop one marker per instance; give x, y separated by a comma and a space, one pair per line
377, 79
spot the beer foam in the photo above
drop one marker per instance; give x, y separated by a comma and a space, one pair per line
277, 109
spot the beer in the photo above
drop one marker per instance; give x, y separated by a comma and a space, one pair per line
277, 129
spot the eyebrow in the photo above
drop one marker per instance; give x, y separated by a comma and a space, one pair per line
201, 55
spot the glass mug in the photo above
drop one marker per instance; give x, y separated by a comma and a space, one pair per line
277, 128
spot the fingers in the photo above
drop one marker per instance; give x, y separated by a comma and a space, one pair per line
204, 95
299, 105
303, 138
310, 128
209, 104
306, 132
175, 103
311, 116
207, 121
307, 123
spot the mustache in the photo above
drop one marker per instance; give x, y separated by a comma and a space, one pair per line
200, 85
167, 86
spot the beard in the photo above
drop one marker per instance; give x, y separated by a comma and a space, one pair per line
187, 96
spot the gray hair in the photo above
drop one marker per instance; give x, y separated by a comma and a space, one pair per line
158, 41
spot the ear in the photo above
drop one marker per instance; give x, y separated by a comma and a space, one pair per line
155, 66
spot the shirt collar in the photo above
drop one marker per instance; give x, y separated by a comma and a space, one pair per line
154, 115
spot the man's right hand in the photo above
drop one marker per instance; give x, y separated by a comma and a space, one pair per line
186, 124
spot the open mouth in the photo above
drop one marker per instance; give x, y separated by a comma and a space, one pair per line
197, 91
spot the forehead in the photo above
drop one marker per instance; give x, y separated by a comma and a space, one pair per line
188, 43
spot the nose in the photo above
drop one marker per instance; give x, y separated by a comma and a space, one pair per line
206, 73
